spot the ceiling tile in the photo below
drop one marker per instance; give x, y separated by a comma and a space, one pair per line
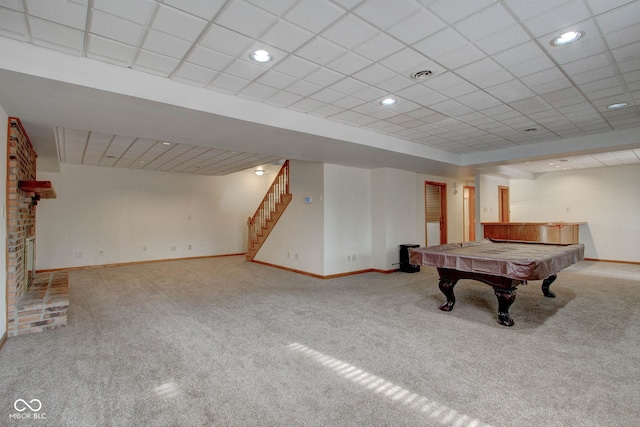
323, 77
349, 32
283, 99
206, 9
303, 88
562, 17
276, 79
245, 69
407, 61
277, 7
348, 86
166, 44
452, 11
228, 83
475, 26
208, 58
14, 25
524, 59
246, 19
503, 40
226, 41
349, 63
111, 51
194, 74
484, 73
320, 51
416, 27
378, 47
374, 74
295, 66
155, 63
621, 17
326, 96
139, 11
377, 12
68, 13
287, 36
115, 28
316, 15
56, 36
257, 91
177, 23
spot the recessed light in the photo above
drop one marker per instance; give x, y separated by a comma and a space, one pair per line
530, 130
166, 143
567, 38
388, 101
261, 55
142, 162
110, 157
618, 105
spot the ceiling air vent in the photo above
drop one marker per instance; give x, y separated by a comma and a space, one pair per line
421, 75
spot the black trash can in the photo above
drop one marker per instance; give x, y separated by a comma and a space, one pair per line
405, 266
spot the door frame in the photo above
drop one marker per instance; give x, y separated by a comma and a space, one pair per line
471, 213
442, 186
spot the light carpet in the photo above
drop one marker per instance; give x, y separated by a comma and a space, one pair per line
225, 342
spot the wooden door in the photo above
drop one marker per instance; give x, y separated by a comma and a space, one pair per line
435, 199
503, 202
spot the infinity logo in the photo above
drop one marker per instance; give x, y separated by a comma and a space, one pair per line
22, 405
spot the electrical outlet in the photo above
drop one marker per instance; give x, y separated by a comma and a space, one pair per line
189, 247
79, 254
354, 257
144, 249
348, 257
295, 256
101, 253
173, 248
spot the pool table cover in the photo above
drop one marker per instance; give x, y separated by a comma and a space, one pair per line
520, 261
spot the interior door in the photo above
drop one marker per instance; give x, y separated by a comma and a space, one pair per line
435, 199
503, 201
469, 213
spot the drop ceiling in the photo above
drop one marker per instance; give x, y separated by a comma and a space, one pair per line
498, 90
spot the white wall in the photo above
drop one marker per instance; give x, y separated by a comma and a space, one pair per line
347, 219
3, 228
393, 215
487, 198
608, 199
120, 211
297, 240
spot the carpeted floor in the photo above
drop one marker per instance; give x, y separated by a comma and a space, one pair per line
224, 342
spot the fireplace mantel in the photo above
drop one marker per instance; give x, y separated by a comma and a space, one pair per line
41, 189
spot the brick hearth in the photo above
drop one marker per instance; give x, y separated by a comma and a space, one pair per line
45, 304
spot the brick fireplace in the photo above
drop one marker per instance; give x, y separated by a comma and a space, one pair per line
28, 310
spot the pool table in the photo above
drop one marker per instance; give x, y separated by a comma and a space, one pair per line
502, 265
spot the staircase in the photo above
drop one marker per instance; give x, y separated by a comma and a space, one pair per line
273, 205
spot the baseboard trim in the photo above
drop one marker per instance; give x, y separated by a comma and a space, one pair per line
120, 264
331, 276
3, 339
612, 260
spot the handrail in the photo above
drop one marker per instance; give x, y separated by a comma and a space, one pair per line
278, 188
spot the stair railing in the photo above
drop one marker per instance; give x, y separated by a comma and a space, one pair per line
259, 221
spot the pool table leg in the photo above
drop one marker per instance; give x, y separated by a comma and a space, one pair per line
506, 297
446, 287
545, 286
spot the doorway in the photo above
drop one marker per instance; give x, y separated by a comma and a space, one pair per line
435, 201
503, 203
469, 213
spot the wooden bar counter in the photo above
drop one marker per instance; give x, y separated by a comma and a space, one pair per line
564, 233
